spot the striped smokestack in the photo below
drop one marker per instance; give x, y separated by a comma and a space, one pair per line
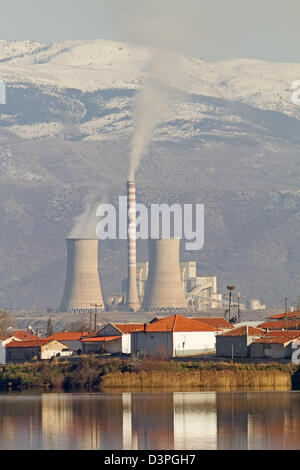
132, 295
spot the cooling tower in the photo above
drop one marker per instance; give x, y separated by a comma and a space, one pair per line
132, 299
82, 286
164, 288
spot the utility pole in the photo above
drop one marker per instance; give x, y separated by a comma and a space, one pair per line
230, 288
239, 297
95, 319
286, 312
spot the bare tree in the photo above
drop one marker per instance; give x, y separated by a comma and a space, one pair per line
80, 324
7, 322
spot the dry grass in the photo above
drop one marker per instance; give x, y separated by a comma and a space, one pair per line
199, 378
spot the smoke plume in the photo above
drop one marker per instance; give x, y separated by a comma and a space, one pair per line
162, 26
84, 224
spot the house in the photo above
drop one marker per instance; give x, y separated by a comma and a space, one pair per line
282, 316
290, 324
173, 336
18, 335
278, 346
236, 342
219, 323
3, 342
23, 335
72, 339
24, 351
118, 338
102, 344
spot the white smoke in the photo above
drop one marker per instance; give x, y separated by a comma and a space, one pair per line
162, 26
84, 224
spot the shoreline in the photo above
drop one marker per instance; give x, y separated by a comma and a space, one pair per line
95, 374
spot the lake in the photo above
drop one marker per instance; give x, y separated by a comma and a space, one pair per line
150, 420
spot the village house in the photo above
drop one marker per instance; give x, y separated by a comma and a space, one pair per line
173, 336
275, 345
219, 323
29, 350
236, 342
18, 335
113, 338
288, 315
287, 324
72, 339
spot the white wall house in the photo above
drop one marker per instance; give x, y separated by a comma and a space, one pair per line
123, 345
3, 343
174, 336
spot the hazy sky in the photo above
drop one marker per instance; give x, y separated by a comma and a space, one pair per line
213, 29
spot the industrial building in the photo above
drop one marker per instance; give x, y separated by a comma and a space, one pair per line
82, 292
200, 291
164, 288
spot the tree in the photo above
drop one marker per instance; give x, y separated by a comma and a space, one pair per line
80, 324
7, 322
50, 328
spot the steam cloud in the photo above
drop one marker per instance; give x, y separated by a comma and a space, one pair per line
84, 225
163, 26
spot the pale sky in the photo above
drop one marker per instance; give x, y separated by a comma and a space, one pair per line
212, 29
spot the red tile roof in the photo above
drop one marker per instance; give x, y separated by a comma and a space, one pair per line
217, 322
96, 339
285, 333
178, 323
243, 331
280, 325
28, 343
281, 316
23, 335
274, 340
128, 327
67, 336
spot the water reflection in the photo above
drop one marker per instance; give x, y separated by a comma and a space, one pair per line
179, 420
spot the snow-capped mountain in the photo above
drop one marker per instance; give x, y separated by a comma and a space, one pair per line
107, 73
230, 139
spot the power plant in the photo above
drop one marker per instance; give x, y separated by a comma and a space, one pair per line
161, 284
164, 289
82, 290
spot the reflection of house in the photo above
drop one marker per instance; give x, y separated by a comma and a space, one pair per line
174, 336
236, 342
22, 351
195, 420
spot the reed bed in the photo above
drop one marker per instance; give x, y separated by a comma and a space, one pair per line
199, 378
95, 373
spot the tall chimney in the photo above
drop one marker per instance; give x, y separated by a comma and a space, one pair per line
132, 295
82, 286
164, 288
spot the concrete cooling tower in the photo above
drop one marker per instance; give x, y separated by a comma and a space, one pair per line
82, 286
164, 288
